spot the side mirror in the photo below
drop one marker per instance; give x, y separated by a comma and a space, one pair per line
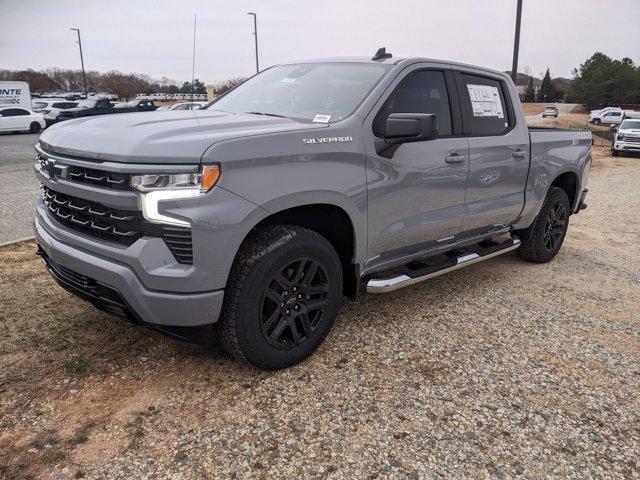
410, 127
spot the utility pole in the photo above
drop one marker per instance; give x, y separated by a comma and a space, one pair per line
193, 63
255, 34
516, 43
84, 77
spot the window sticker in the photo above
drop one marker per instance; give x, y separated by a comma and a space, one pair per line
321, 118
485, 101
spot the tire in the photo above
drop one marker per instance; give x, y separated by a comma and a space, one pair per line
542, 240
614, 152
276, 264
596, 121
35, 127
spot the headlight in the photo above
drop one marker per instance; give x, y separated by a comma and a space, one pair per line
156, 187
620, 136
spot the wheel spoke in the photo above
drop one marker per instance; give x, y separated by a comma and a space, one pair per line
282, 281
272, 320
278, 331
319, 304
300, 271
316, 289
311, 273
306, 326
295, 334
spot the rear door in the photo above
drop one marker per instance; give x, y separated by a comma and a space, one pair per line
416, 191
498, 152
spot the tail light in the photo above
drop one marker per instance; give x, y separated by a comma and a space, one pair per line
45, 111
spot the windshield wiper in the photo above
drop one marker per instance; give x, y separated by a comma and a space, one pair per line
267, 114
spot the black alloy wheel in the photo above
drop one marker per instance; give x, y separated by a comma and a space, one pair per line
293, 303
554, 228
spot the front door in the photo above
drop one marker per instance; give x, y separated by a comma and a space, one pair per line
416, 191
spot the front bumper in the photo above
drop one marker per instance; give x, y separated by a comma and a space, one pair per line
115, 288
624, 146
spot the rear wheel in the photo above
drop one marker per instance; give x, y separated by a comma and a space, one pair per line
35, 127
282, 297
542, 241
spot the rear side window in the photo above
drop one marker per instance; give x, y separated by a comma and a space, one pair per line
484, 108
14, 112
423, 91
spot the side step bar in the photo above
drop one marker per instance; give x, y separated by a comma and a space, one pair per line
389, 284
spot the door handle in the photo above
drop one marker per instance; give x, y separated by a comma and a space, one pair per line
455, 158
518, 154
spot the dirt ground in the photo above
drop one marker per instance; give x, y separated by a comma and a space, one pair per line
533, 108
504, 369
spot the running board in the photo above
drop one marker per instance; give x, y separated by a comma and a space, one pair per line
389, 284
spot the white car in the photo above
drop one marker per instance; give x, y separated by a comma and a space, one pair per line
18, 119
185, 106
627, 137
50, 108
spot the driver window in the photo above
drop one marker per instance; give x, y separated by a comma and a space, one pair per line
423, 91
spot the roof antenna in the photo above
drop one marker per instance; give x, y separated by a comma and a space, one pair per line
381, 54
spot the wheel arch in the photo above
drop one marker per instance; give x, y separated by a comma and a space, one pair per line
332, 222
568, 181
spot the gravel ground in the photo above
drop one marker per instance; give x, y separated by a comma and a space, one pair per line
19, 188
504, 369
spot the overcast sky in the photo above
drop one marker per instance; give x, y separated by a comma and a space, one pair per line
155, 37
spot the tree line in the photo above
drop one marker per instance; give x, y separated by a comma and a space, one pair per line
125, 85
602, 81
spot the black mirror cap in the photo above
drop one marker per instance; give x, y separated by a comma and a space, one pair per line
410, 127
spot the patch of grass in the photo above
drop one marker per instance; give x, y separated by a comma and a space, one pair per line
78, 366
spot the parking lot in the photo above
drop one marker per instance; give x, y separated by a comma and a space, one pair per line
18, 186
499, 370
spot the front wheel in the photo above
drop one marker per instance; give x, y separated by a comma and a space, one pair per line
614, 152
282, 297
596, 121
542, 240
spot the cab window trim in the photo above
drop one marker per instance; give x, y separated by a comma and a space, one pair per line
466, 119
452, 98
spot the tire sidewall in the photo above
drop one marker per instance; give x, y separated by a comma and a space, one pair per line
35, 127
250, 339
555, 197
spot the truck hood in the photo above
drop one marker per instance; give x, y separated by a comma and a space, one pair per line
158, 137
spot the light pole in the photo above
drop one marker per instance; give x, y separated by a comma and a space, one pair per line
255, 34
84, 77
516, 43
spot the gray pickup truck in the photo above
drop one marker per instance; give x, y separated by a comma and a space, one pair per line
251, 218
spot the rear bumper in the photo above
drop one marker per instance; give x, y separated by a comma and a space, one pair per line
115, 288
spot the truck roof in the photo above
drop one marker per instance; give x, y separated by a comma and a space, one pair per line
401, 61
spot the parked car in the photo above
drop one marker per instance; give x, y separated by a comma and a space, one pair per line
87, 108
136, 106
550, 111
18, 119
609, 117
627, 138
50, 108
185, 106
249, 220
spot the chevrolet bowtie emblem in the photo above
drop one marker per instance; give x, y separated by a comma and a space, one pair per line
54, 170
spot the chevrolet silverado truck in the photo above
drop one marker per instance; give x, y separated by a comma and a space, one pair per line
251, 218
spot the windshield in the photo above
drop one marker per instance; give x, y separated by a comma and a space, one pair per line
323, 92
630, 125
39, 104
87, 104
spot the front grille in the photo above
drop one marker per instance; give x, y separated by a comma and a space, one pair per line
632, 139
85, 175
102, 296
120, 226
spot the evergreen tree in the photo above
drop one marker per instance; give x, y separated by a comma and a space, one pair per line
530, 94
601, 81
546, 89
